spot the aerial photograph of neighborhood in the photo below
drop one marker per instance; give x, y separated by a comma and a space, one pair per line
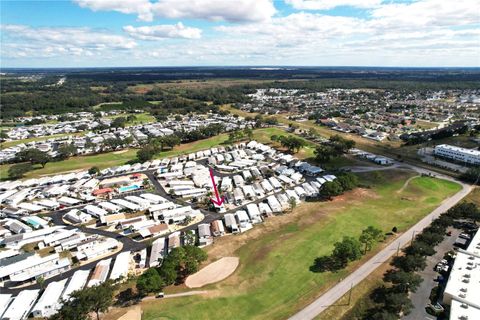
240, 159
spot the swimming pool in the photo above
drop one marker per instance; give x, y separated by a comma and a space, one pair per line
128, 188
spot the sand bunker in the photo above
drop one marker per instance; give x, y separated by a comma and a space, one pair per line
120, 151
212, 273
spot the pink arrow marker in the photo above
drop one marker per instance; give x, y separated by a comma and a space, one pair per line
219, 200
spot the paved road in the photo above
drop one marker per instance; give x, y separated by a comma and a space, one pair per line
421, 297
335, 293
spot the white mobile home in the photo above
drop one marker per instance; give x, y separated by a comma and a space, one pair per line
153, 198
226, 184
157, 252
267, 186
95, 211
275, 183
110, 207
20, 308
121, 266
300, 192
254, 213
274, 204
238, 196
231, 222
77, 282
264, 209
49, 302
126, 204
141, 202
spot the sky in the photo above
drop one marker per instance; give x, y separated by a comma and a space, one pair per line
116, 33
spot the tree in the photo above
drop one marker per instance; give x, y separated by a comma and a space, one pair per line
348, 181
347, 250
34, 156
65, 151
146, 153
100, 297
150, 281
324, 153
370, 236
248, 133
93, 170
419, 248
331, 189
17, 171
91, 299
472, 175
403, 281
292, 203
119, 122
326, 263
41, 282
409, 263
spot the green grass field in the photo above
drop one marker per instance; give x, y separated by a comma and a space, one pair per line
273, 280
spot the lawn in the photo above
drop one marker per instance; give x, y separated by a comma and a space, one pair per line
273, 280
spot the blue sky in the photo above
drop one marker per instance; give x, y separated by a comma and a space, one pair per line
95, 33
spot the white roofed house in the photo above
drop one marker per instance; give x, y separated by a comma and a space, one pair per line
274, 204
20, 308
238, 196
249, 192
231, 222
275, 184
267, 186
110, 207
95, 211
77, 216
77, 282
243, 220
157, 253
5, 300
141, 202
173, 240
121, 266
204, 234
265, 209
254, 213
49, 302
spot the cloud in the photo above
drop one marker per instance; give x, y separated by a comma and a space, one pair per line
48, 41
427, 13
142, 8
330, 4
165, 31
212, 10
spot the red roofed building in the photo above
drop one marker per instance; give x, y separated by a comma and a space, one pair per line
103, 191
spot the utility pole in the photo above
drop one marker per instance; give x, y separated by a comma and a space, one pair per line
398, 248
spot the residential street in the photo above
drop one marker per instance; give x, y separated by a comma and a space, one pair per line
332, 295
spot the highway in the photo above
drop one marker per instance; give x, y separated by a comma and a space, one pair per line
340, 289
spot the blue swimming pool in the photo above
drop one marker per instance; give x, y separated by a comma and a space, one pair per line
128, 188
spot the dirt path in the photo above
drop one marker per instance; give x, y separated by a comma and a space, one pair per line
135, 313
406, 183
212, 273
